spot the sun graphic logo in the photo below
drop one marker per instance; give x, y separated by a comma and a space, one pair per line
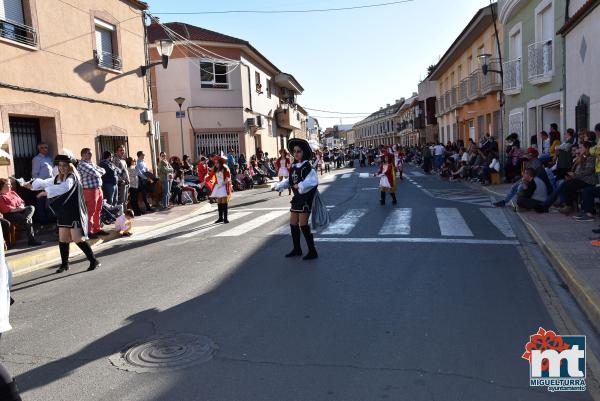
556, 362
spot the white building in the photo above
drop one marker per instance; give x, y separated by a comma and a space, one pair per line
581, 33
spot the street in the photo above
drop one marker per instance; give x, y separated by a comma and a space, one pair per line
429, 299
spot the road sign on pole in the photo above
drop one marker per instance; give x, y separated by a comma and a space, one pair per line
180, 114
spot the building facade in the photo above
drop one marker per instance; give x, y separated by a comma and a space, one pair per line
582, 56
427, 95
379, 128
533, 66
235, 98
468, 102
69, 77
411, 121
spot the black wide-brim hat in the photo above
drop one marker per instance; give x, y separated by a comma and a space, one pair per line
64, 159
302, 144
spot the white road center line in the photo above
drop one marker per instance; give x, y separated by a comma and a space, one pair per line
346, 223
364, 175
397, 223
252, 224
498, 218
201, 230
452, 223
417, 240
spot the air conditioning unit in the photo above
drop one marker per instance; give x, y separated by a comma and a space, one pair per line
259, 121
250, 123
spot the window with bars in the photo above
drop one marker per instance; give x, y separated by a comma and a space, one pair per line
14, 23
213, 75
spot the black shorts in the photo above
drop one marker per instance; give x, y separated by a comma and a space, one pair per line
301, 204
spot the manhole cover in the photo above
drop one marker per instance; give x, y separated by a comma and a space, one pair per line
167, 352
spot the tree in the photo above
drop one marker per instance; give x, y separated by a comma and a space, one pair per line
430, 69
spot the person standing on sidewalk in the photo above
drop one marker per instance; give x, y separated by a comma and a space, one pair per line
14, 210
222, 188
65, 193
283, 165
145, 179
109, 179
91, 179
120, 161
165, 175
133, 187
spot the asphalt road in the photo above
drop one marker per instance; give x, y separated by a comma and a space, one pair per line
427, 300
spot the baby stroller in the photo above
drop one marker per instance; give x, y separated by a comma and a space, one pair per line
109, 214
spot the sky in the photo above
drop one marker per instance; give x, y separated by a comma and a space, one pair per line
347, 61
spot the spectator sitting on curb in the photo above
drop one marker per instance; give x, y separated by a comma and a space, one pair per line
533, 192
124, 223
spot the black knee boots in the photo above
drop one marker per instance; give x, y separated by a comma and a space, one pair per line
225, 211
9, 392
297, 251
382, 200
310, 241
87, 250
64, 256
393, 195
394, 200
220, 209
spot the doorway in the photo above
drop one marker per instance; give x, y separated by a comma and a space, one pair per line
25, 135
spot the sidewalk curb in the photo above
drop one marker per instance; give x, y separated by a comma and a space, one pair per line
577, 286
28, 263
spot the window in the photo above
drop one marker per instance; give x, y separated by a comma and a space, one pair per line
213, 75
269, 88
13, 23
258, 83
105, 54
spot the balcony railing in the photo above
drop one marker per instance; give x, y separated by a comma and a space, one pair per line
492, 81
447, 102
18, 32
108, 60
539, 63
463, 91
512, 76
474, 85
454, 98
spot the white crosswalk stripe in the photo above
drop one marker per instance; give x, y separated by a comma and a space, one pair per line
397, 223
452, 223
253, 224
364, 175
232, 217
345, 224
346, 176
498, 218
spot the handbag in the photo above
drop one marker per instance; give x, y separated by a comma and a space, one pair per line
320, 214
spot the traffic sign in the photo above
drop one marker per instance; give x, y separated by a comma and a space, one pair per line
180, 114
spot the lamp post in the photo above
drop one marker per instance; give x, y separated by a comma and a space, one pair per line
180, 101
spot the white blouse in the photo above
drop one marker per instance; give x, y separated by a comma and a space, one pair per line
53, 190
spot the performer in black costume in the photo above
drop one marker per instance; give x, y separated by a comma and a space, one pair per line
65, 197
303, 181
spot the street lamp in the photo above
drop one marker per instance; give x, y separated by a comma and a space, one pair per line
180, 101
484, 60
165, 49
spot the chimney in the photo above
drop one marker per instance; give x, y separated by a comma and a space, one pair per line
415, 94
397, 101
388, 105
381, 108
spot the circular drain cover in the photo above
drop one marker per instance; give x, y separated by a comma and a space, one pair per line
166, 352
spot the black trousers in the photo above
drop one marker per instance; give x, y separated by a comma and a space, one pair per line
23, 218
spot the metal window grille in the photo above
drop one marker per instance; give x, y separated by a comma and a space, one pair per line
109, 143
207, 144
25, 135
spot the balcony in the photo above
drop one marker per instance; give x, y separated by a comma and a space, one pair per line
512, 77
539, 65
491, 82
289, 117
454, 98
440, 106
19, 33
108, 60
463, 90
474, 90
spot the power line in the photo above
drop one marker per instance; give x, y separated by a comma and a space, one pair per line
336, 112
316, 10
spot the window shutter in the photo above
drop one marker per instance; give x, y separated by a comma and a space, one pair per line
12, 10
103, 42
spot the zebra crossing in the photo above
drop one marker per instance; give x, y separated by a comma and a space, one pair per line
463, 195
397, 226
